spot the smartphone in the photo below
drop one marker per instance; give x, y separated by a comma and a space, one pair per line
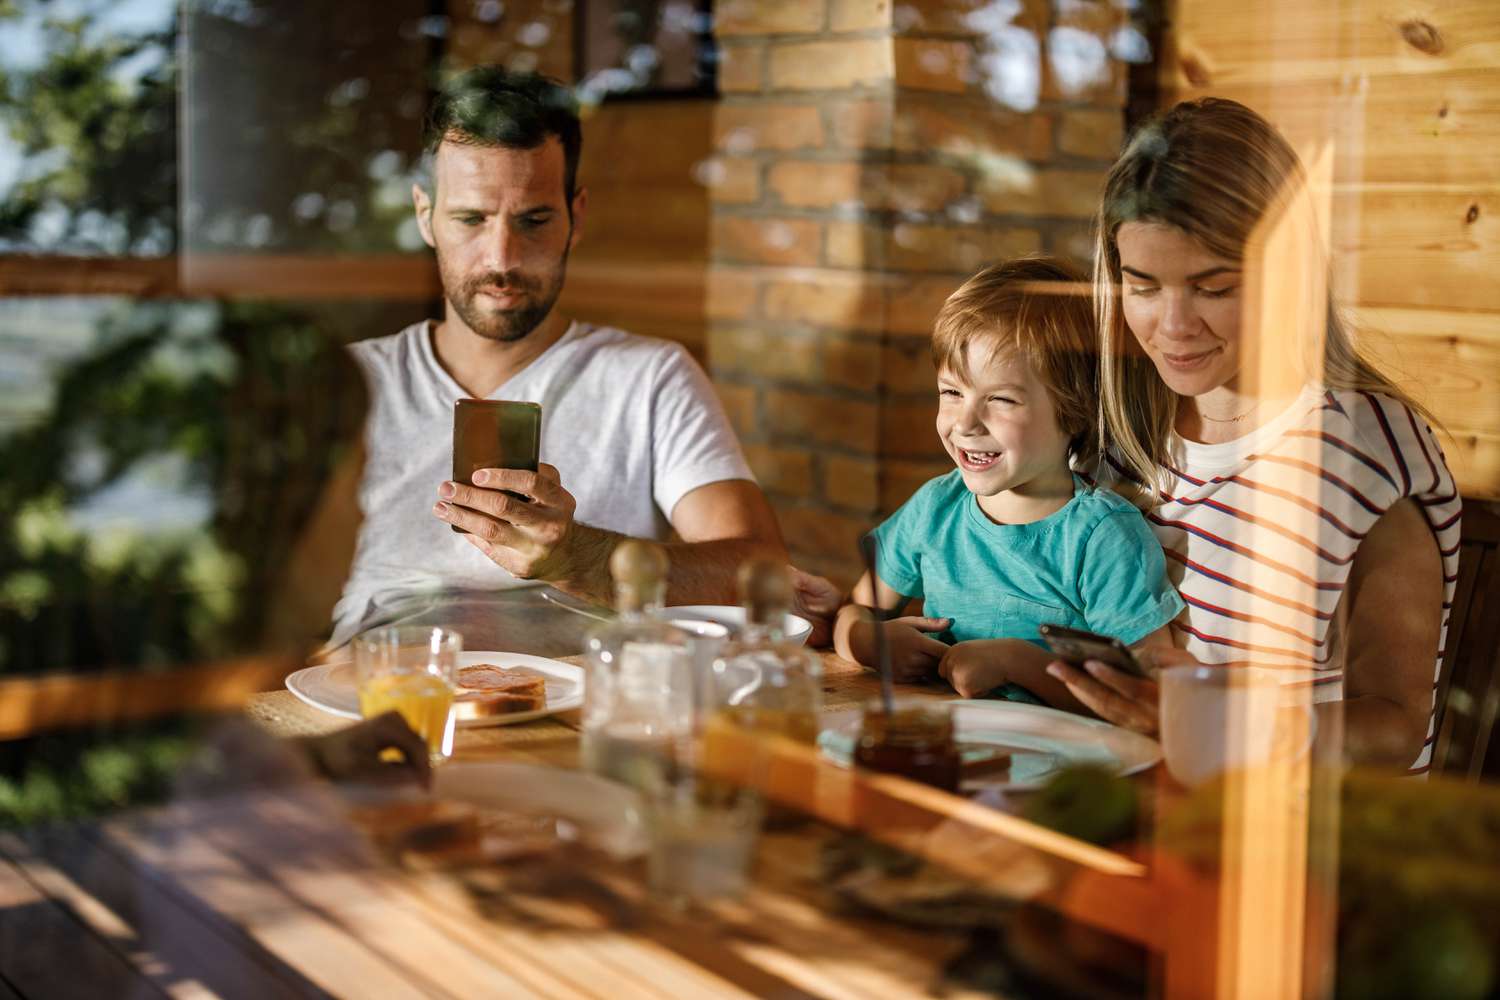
1074, 645
494, 434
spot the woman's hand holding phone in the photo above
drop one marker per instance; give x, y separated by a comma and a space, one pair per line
1076, 646
1115, 696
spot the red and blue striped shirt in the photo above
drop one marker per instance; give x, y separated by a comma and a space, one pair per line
1260, 532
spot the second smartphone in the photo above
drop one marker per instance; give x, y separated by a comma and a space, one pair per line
1074, 645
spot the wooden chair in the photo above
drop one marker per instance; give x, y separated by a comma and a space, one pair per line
1468, 695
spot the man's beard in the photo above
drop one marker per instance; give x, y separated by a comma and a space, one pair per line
509, 324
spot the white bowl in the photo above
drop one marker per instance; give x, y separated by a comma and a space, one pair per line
797, 629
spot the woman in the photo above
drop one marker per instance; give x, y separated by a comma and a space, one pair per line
1308, 517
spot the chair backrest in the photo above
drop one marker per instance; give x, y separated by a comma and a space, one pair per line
1468, 693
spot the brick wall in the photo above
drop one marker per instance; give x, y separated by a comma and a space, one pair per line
867, 157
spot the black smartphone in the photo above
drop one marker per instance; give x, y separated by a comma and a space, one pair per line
1074, 645
494, 434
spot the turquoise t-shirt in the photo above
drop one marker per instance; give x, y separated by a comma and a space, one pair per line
1093, 565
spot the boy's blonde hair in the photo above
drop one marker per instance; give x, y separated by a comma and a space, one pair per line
1041, 309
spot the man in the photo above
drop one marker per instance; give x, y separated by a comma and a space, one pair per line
634, 440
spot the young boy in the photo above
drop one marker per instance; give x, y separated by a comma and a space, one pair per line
1011, 539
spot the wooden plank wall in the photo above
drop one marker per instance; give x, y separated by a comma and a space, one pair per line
641, 264
1408, 92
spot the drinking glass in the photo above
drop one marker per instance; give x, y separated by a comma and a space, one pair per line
705, 641
703, 832
1217, 719
410, 669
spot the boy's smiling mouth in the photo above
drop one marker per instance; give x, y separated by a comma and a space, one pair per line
976, 461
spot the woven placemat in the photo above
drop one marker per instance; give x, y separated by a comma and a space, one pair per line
282, 714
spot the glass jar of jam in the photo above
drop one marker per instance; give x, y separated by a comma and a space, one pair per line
915, 740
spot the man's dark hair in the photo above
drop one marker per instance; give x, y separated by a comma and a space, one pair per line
490, 106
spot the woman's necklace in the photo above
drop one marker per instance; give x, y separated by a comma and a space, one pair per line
1230, 420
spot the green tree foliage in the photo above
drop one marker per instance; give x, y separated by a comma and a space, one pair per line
98, 139
240, 414
78, 776
301, 127
248, 408
235, 407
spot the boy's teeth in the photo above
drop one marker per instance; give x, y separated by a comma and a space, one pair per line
980, 456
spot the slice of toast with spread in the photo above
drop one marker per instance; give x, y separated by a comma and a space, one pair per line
485, 690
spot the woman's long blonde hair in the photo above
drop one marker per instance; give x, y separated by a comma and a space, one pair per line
1214, 169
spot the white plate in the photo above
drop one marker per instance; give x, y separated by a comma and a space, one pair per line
1042, 741
331, 686
604, 813
797, 629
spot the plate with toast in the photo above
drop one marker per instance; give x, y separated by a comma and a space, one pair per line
493, 689
1013, 746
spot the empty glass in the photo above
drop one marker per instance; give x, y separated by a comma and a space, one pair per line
703, 832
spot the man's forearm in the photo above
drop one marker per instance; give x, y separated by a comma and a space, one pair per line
582, 566
708, 572
698, 572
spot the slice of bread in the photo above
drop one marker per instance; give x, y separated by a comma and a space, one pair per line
984, 761
485, 690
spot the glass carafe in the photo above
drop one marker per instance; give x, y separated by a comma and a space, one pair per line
638, 693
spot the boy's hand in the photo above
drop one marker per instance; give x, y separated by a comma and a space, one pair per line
817, 600
914, 653
973, 667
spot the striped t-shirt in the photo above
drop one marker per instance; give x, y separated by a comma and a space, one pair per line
1260, 532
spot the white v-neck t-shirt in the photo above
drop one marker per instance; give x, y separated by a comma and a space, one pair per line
632, 424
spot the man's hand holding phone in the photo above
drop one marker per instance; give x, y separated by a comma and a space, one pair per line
521, 520
509, 505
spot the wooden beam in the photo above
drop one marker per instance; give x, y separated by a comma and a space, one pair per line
35, 704
1223, 43
280, 277
390, 277
139, 278
667, 291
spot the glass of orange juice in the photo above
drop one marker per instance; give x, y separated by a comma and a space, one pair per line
410, 669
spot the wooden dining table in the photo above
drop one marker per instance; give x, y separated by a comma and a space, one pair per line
283, 890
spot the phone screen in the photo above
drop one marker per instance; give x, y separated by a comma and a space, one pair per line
1073, 646
494, 434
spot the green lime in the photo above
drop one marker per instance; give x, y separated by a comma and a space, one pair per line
1087, 802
